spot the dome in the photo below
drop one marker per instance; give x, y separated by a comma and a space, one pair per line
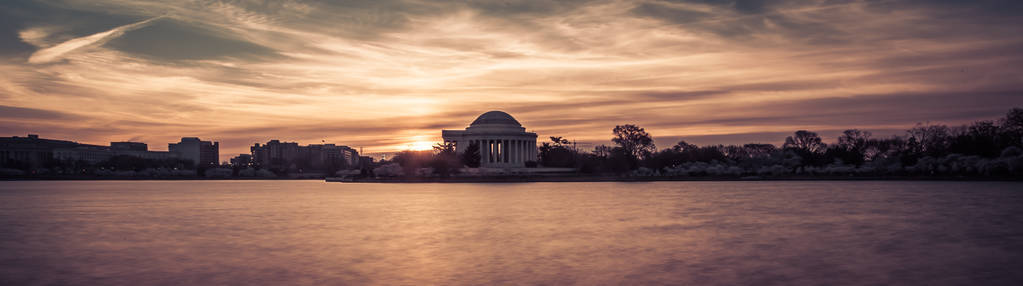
496, 118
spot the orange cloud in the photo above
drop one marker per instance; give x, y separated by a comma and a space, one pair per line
386, 74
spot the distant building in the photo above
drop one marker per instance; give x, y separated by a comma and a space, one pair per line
95, 154
129, 146
31, 151
91, 154
502, 141
140, 150
274, 154
241, 160
289, 155
201, 153
365, 162
322, 155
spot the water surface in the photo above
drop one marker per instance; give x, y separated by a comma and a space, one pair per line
691, 233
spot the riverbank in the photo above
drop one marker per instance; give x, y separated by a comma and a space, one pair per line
522, 179
94, 178
528, 179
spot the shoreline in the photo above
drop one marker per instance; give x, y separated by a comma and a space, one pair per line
544, 179
150, 179
658, 179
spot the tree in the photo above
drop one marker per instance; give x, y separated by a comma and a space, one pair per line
634, 140
851, 147
930, 139
621, 161
471, 156
808, 147
806, 141
755, 150
982, 138
683, 146
556, 153
445, 160
559, 141
1013, 120
446, 148
854, 140
412, 160
602, 151
1012, 126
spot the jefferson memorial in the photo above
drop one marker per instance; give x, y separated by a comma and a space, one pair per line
502, 141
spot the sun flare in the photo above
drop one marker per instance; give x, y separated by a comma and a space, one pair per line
420, 146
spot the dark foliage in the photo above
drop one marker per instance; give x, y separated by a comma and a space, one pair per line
557, 153
471, 156
634, 140
411, 161
445, 161
985, 148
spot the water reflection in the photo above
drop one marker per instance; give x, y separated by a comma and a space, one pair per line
696, 233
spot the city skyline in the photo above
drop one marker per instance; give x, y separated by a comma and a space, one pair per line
230, 158
387, 75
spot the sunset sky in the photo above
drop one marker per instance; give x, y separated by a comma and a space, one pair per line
385, 74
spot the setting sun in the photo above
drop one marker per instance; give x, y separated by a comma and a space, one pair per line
420, 146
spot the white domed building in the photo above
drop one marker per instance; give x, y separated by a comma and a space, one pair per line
503, 142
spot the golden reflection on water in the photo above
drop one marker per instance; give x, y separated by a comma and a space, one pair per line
694, 233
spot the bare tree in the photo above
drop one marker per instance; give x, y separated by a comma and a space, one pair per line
634, 140
683, 146
806, 141
854, 140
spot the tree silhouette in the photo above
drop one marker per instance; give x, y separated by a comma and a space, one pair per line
1012, 125
602, 151
556, 153
445, 160
854, 140
756, 150
634, 140
683, 146
1013, 120
559, 141
806, 141
471, 156
446, 148
851, 147
981, 138
930, 139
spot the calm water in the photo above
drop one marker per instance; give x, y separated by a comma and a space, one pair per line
695, 233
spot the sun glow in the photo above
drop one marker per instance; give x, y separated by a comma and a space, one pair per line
420, 146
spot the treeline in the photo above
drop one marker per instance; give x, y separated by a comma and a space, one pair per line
443, 161
283, 167
982, 149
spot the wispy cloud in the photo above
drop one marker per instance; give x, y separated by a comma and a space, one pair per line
56, 52
383, 73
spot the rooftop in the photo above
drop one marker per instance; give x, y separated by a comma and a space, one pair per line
495, 118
